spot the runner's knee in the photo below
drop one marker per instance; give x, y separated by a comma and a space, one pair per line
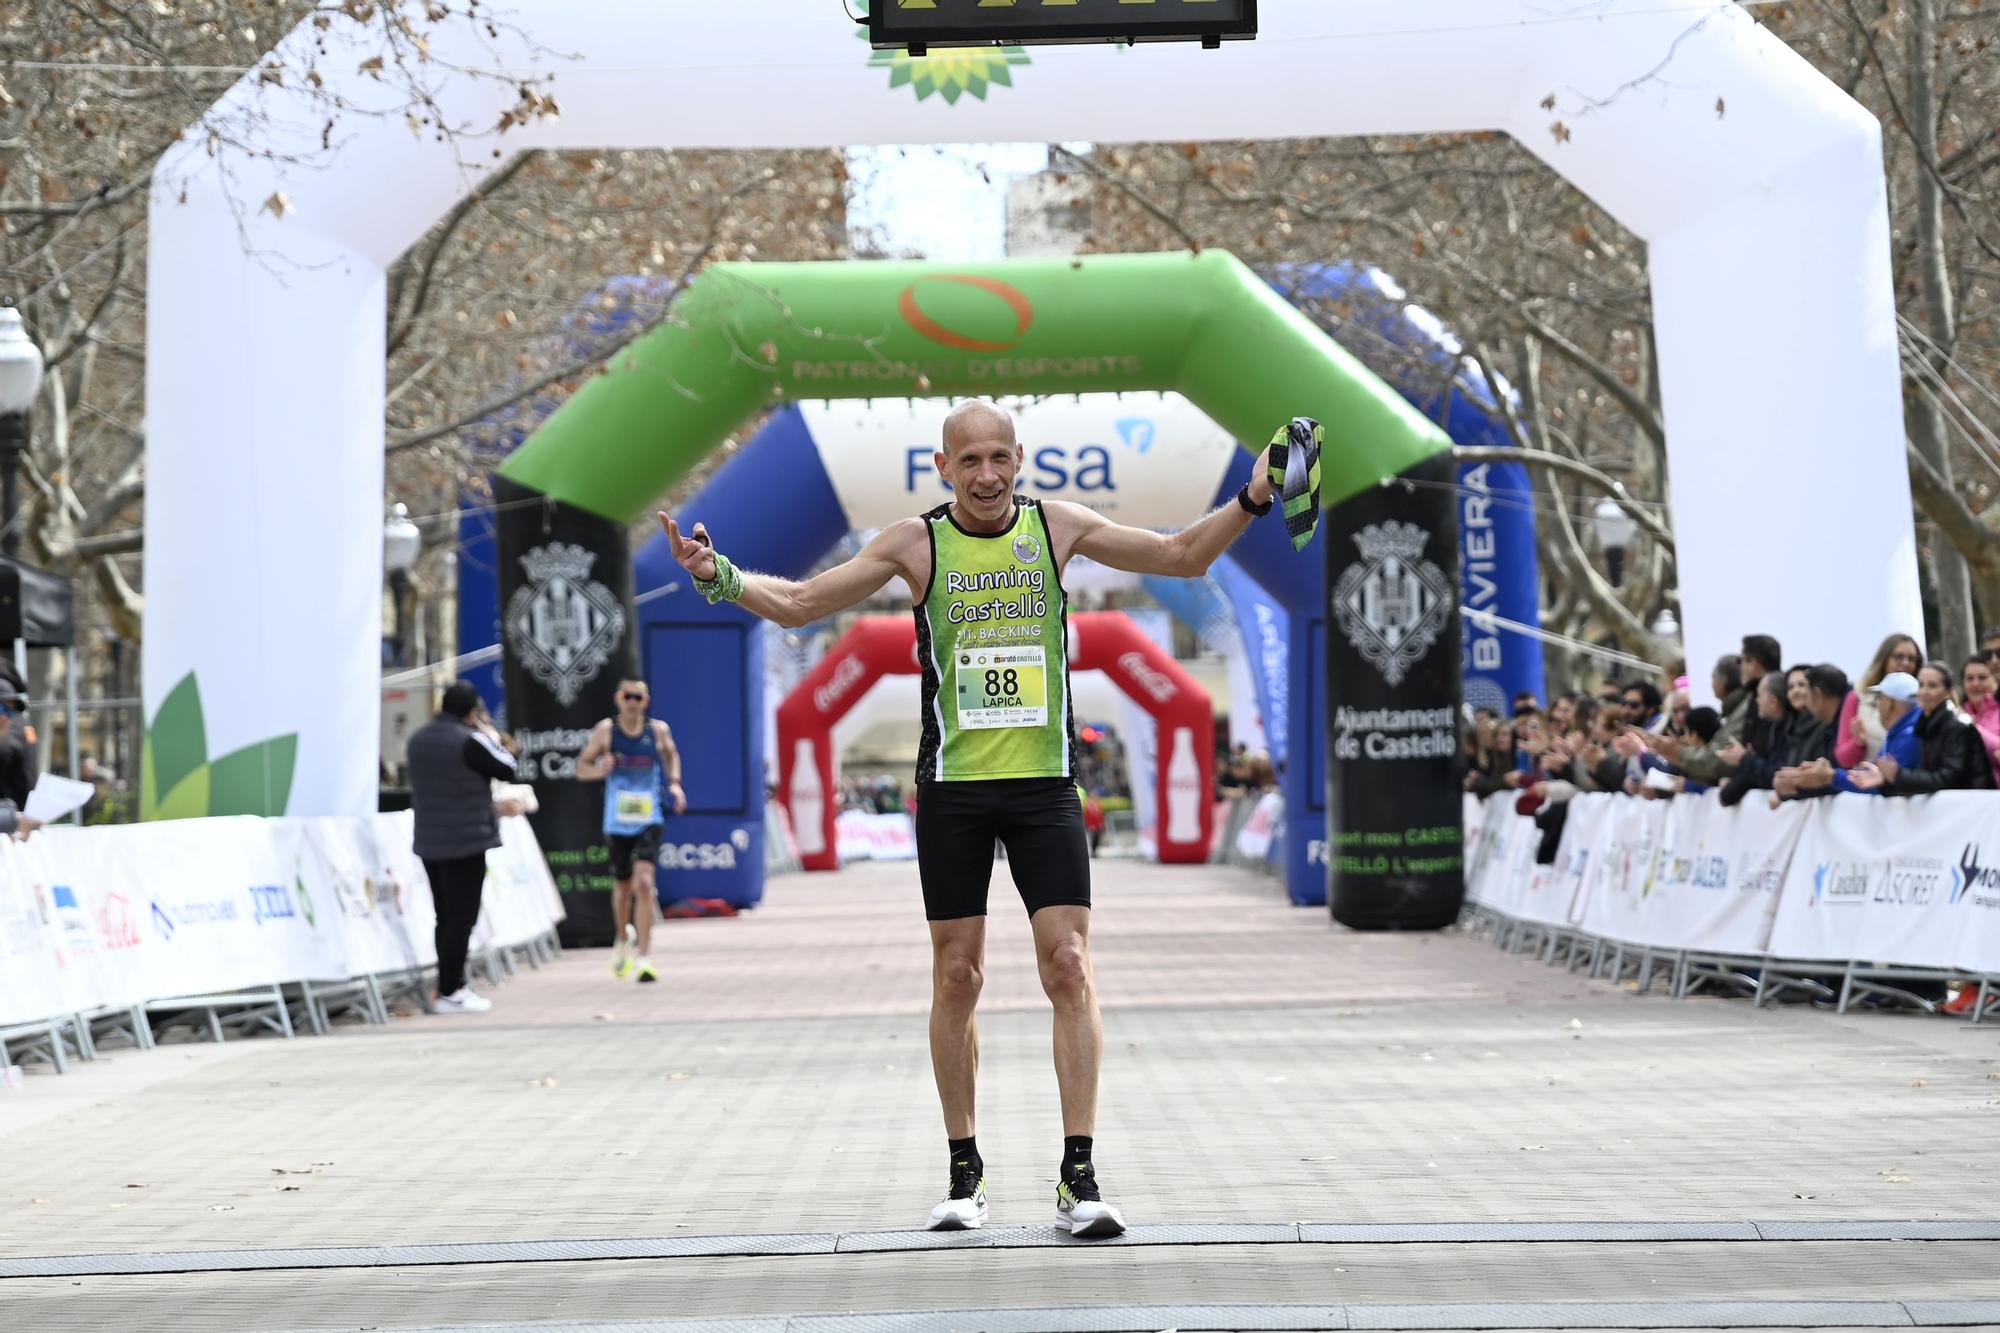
959, 978
1066, 971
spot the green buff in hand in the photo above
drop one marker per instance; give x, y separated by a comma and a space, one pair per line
726, 586
1295, 453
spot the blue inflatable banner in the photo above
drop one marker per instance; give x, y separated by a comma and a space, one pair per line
1267, 638
1365, 311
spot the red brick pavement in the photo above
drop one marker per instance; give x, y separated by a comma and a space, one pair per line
854, 944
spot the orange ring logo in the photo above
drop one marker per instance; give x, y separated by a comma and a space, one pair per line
1017, 301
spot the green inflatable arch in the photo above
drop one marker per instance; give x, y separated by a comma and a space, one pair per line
745, 335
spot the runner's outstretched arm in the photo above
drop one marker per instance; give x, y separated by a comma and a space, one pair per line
792, 604
670, 764
1185, 554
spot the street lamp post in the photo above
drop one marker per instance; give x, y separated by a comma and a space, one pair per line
402, 541
20, 381
1665, 625
1615, 531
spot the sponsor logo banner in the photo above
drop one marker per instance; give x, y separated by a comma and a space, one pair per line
1896, 881
1147, 460
119, 916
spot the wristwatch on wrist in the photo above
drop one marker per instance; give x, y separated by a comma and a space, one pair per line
1249, 507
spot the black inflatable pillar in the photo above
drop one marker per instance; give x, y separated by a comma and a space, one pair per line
1395, 818
566, 639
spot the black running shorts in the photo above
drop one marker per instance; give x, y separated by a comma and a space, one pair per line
1038, 820
626, 851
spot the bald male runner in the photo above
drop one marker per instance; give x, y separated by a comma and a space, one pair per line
997, 758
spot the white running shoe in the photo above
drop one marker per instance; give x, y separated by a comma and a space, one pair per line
461, 1001
965, 1208
1079, 1207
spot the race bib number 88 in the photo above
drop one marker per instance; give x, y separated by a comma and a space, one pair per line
1002, 687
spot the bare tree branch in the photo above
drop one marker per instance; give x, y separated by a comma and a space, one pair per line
110, 543
427, 267
589, 363
1611, 486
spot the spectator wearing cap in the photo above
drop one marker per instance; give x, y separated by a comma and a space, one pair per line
1895, 706
1981, 681
454, 760
1860, 728
1951, 755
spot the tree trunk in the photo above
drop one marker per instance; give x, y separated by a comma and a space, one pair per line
1925, 414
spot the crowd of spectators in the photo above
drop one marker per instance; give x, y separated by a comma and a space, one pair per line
880, 794
1103, 770
1244, 772
1905, 727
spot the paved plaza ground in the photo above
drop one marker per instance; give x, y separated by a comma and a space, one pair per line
1269, 1080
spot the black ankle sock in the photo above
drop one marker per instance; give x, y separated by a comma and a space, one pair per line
967, 1150
1076, 1154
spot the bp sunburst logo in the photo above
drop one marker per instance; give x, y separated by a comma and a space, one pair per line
951, 73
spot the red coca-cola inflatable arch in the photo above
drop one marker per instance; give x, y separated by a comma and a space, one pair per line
1105, 641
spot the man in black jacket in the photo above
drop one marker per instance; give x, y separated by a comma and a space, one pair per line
17, 748
454, 759
1755, 758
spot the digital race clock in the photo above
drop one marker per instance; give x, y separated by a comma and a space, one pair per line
924, 23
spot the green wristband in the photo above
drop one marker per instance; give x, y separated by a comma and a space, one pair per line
726, 586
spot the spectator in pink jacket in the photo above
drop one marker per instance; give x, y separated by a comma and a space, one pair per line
1982, 707
1860, 736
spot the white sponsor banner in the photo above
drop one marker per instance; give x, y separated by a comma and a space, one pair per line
1143, 459
1619, 880
1720, 872
215, 904
119, 916
862, 836
1586, 833
1535, 892
35, 961
1253, 840
1894, 881
1910, 881
340, 863
1486, 880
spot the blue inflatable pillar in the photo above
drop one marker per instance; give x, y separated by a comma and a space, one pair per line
1365, 311
479, 600
773, 509
1296, 582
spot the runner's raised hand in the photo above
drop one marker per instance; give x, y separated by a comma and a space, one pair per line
696, 555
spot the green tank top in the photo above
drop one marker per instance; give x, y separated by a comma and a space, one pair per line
993, 644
